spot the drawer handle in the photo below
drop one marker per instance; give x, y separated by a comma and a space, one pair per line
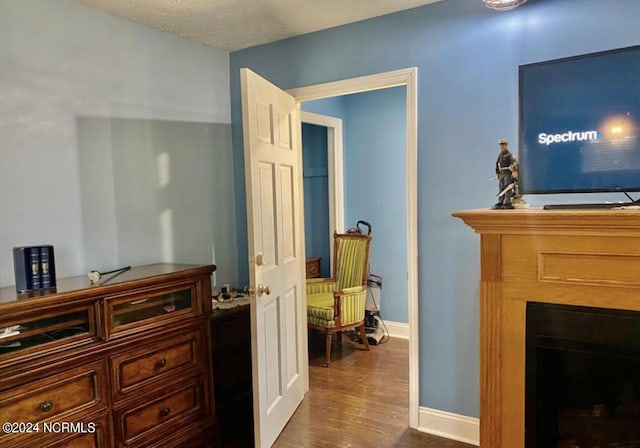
46, 406
161, 363
314, 270
164, 412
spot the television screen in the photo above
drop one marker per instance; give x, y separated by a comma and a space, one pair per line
580, 123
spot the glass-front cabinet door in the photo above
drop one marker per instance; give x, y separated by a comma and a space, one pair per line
126, 314
42, 331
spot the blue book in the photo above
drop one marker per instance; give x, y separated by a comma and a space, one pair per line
34, 267
45, 267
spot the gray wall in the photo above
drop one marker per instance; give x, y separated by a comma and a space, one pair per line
115, 142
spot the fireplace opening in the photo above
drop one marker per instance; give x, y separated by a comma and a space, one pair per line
582, 383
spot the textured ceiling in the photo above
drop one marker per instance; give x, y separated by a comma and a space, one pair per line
235, 24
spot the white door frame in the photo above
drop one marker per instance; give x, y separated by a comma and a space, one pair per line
408, 78
334, 171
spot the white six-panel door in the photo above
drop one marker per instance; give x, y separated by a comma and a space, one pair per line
273, 172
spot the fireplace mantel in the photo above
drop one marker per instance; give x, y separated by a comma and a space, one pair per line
571, 257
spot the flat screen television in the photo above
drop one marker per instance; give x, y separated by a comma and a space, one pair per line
580, 124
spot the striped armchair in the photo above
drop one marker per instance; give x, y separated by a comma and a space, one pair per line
337, 304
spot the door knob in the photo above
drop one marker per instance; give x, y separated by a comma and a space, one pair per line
261, 260
261, 289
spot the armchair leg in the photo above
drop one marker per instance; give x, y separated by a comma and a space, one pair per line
328, 349
363, 336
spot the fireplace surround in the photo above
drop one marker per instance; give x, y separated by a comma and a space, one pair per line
571, 258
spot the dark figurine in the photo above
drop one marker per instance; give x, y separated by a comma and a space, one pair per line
507, 174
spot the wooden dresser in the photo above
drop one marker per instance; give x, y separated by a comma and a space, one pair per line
125, 363
231, 353
313, 267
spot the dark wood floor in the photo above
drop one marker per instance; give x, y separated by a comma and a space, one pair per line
362, 400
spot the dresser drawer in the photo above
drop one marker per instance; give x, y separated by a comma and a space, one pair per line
41, 332
177, 408
54, 398
149, 308
154, 362
94, 432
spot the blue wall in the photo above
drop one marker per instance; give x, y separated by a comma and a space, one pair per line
374, 130
334, 107
316, 194
375, 168
467, 58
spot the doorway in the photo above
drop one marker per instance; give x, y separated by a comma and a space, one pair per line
407, 78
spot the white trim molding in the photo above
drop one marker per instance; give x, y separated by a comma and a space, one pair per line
397, 329
451, 426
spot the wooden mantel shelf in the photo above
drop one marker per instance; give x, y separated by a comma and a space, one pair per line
571, 257
549, 221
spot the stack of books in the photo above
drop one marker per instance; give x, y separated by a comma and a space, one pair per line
34, 268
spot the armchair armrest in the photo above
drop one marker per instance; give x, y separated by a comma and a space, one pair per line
349, 304
350, 291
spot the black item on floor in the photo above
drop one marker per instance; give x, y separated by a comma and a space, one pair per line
372, 320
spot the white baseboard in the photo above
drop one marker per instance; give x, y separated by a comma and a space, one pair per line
451, 426
397, 329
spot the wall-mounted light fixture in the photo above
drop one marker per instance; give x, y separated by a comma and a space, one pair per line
503, 5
